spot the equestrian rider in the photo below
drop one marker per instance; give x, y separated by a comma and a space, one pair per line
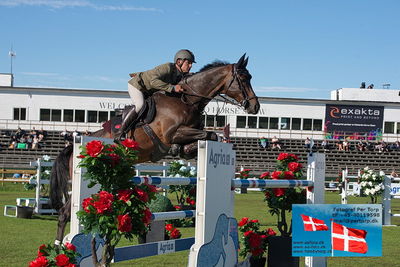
163, 77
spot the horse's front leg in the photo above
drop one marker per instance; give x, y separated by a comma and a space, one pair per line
188, 137
64, 215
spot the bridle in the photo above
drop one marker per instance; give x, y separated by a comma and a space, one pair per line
244, 103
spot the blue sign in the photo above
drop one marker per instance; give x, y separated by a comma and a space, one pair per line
337, 230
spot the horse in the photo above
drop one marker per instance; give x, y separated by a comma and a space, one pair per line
177, 121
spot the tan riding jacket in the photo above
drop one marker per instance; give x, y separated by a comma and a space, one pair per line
162, 77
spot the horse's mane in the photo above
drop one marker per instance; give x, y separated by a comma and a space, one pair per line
214, 64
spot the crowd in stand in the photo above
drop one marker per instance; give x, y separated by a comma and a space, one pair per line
339, 144
22, 139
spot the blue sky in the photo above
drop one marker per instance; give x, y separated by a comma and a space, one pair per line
299, 48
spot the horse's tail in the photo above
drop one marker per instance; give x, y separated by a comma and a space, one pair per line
59, 178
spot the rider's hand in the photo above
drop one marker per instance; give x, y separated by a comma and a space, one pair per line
178, 88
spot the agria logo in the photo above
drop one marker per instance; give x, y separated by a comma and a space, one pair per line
336, 112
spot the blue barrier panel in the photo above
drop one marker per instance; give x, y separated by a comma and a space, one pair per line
152, 249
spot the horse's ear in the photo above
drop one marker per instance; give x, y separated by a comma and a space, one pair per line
245, 62
239, 64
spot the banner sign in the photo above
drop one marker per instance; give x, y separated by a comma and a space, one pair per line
337, 230
351, 119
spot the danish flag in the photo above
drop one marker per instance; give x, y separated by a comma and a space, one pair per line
312, 224
348, 239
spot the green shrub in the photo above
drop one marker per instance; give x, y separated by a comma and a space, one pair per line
161, 204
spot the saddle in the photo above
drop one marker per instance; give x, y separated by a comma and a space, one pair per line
145, 116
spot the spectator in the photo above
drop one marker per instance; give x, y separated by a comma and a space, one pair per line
42, 134
394, 174
360, 145
396, 146
19, 133
263, 142
339, 145
35, 143
371, 86
275, 143
345, 145
325, 145
87, 133
307, 143
33, 133
16, 176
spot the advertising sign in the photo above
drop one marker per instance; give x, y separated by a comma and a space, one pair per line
337, 230
351, 118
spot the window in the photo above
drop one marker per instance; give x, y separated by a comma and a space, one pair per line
56, 115
79, 116
68, 115
19, 114
252, 122
317, 125
220, 120
307, 124
389, 127
273, 123
285, 123
91, 116
241, 122
112, 114
398, 128
296, 124
209, 120
44, 114
263, 122
103, 116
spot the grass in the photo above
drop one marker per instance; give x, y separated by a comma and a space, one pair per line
20, 238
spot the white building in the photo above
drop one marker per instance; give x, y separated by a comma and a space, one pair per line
368, 112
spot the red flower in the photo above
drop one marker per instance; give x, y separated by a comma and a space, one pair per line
94, 148
105, 196
86, 203
152, 188
295, 166
41, 251
147, 216
70, 246
175, 234
114, 159
124, 223
254, 221
142, 195
169, 227
279, 191
243, 222
276, 175
264, 175
283, 156
81, 156
267, 194
247, 233
129, 143
192, 202
177, 207
62, 260
255, 240
125, 194
40, 261
289, 175
270, 232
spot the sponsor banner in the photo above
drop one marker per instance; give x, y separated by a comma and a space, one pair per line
337, 230
351, 118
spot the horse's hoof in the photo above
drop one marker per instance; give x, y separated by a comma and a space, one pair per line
174, 150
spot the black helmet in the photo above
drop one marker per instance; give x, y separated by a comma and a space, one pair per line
184, 54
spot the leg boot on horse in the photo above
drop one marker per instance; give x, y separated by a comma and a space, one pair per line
129, 116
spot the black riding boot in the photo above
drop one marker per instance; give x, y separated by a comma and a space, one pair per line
127, 120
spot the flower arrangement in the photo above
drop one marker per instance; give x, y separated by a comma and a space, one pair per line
371, 183
253, 240
185, 194
244, 174
51, 256
172, 232
280, 200
119, 209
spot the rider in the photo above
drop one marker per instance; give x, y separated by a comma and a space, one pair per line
163, 77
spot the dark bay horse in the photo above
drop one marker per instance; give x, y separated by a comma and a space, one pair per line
177, 121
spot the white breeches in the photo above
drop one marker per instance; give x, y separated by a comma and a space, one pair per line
136, 96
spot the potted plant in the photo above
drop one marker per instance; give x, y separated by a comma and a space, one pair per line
119, 209
371, 184
253, 241
279, 201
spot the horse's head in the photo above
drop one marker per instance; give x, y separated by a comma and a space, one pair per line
239, 87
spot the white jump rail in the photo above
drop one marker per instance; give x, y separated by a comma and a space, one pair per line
387, 200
